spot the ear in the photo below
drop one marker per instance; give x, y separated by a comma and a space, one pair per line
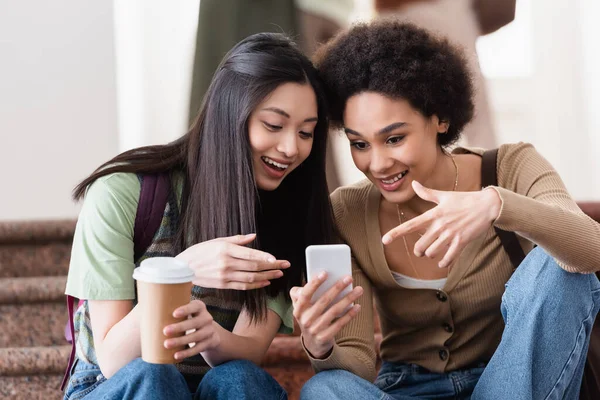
443, 126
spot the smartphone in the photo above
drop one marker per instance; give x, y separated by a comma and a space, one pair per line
333, 259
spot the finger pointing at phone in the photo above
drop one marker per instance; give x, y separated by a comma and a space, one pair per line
321, 321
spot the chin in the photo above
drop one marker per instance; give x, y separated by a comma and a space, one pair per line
267, 185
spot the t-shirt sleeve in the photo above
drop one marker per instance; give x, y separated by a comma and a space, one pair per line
102, 264
282, 306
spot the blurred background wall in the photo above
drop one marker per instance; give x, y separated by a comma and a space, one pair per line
80, 81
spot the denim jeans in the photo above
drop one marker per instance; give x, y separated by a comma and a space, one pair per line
548, 315
141, 380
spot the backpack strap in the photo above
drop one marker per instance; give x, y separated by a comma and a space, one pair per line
508, 239
154, 193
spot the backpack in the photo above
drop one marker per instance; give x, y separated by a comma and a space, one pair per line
590, 385
154, 194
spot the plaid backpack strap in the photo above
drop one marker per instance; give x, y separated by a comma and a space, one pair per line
509, 240
154, 194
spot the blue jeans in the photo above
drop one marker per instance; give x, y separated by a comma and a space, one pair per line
548, 315
141, 380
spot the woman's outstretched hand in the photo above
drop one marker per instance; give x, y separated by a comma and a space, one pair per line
457, 219
227, 263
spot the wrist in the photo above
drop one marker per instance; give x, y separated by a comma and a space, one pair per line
317, 354
494, 203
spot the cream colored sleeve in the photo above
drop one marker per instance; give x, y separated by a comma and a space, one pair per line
537, 206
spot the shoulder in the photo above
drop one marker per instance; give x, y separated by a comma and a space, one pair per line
113, 196
351, 198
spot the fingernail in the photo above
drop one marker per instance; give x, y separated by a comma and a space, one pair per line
347, 280
286, 264
385, 240
418, 254
166, 344
267, 283
279, 274
250, 234
441, 265
299, 292
322, 275
177, 356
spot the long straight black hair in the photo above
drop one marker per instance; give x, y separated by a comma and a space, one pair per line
220, 197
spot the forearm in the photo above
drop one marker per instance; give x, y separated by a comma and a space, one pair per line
121, 345
562, 230
234, 347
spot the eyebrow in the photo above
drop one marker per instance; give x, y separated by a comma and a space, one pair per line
383, 131
283, 113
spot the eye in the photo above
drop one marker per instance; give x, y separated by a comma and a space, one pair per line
358, 145
306, 135
395, 139
271, 127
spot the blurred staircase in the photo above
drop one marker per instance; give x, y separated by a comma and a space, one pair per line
34, 260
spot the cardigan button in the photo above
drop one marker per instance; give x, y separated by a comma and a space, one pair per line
441, 296
448, 328
444, 354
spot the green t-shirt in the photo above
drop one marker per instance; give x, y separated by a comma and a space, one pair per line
102, 265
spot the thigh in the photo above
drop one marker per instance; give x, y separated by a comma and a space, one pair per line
408, 381
338, 384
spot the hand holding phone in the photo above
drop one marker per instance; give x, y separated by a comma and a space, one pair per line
326, 303
334, 259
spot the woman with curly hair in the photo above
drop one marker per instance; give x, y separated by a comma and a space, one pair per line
458, 320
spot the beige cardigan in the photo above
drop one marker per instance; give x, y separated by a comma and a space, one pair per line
461, 325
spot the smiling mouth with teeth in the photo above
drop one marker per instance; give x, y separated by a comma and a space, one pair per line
275, 164
394, 179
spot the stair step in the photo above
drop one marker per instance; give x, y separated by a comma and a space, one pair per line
30, 325
42, 360
35, 248
32, 290
28, 260
39, 387
36, 231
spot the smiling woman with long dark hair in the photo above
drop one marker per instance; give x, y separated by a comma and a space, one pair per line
248, 194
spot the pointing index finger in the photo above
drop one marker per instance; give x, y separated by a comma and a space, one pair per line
413, 225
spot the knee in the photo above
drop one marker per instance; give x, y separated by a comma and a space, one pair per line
239, 379
539, 279
234, 372
326, 383
141, 372
541, 269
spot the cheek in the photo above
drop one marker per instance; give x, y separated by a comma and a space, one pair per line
259, 140
361, 160
304, 149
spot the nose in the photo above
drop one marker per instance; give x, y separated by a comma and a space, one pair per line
380, 161
288, 144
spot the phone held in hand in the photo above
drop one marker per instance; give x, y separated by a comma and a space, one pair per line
333, 259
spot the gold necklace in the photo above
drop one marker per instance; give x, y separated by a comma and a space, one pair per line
401, 218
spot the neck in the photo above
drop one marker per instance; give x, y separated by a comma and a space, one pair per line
442, 178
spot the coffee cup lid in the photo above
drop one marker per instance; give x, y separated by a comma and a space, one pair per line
163, 270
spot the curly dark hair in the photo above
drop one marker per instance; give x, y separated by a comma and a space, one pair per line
402, 61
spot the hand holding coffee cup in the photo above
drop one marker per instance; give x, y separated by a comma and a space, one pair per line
201, 333
226, 263
164, 284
